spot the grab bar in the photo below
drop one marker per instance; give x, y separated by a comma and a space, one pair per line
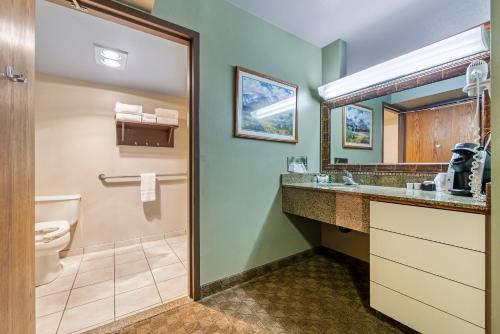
103, 177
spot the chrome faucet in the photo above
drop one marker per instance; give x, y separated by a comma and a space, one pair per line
348, 180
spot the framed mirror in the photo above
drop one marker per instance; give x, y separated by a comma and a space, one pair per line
408, 124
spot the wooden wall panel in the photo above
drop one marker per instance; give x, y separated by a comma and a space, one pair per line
431, 133
17, 288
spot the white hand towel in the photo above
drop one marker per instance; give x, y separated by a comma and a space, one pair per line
167, 121
128, 117
128, 108
148, 118
148, 187
167, 113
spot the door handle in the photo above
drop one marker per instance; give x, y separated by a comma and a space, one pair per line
9, 74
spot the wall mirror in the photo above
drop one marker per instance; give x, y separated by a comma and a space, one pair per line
408, 124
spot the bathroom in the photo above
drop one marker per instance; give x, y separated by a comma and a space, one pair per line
333, 210
123, 241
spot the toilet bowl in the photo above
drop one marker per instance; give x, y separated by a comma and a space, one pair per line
54, 216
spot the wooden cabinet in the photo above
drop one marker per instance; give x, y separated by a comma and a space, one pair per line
427, 267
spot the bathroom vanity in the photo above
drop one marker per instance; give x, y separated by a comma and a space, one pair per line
427, 249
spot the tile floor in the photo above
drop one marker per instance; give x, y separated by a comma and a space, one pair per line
102, 286
320, 295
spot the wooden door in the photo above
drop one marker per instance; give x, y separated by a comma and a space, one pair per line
420, 141
431, 133
17, 289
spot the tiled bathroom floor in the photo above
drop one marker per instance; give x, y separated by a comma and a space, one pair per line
100, 287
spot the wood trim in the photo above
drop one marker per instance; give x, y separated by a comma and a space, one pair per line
238, 70
446, 71
17, 172
344, 145
136, 19
402, 138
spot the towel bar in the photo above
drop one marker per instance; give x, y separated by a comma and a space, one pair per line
103, 177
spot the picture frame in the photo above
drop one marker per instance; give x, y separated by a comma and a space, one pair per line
357, 127
265, 107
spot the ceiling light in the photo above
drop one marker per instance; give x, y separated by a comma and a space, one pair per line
460, 46
110, 62
110, 57
110, 54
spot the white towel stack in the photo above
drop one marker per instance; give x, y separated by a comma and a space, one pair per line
148, 187
128, 112
167, 116
149, 118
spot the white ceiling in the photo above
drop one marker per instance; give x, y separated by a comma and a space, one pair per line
375, 30
65, 47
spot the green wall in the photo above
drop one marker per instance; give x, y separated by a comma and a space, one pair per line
430, 89
495, 202
334, 62
242, 225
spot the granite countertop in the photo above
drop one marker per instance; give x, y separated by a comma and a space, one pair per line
433, 199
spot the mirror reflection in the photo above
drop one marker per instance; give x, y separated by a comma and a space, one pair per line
418, 125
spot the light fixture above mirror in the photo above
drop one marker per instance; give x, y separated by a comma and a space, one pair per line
465, 44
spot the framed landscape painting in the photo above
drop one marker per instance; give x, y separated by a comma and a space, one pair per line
357, 127
266, 108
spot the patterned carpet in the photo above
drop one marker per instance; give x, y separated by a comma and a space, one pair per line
318, 295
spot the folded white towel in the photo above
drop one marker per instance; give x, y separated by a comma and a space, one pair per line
167, 113
128, 108
148, 187
128, 117
167, 121
148, 118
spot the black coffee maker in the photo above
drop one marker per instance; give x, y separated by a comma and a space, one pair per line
459, 169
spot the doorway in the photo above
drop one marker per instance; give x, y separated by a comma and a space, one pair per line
19, 243
392, 133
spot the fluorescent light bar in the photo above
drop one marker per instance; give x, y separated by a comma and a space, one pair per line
453, 48
113, 58
275, 108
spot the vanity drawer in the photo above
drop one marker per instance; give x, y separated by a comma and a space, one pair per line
461, 229
455, 263
451, 297
417, 315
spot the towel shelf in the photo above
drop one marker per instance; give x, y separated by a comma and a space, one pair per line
103, 177
144, 134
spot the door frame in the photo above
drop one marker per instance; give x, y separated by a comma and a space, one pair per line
136, 19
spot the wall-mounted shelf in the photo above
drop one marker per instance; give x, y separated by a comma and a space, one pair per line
144, 134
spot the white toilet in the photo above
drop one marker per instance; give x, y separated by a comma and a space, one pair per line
54, 216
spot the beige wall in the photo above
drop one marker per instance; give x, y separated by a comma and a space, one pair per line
76, 141
355, 244
391, 137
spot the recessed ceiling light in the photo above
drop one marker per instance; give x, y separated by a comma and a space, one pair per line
110, 62
113, 58
110, 54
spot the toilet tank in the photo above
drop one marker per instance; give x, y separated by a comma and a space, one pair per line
63, 207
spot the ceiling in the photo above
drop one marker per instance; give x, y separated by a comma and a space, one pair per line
65, 47
375, 30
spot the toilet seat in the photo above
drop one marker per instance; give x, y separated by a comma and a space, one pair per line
49, 231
